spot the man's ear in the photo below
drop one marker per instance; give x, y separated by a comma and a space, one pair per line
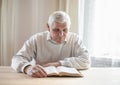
48, 27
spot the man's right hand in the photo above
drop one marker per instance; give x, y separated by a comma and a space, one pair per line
35, 71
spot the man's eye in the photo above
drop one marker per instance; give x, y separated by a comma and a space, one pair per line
56, 30
65, 30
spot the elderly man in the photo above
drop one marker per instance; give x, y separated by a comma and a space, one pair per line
55, 47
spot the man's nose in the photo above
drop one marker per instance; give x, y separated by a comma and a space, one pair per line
61, 33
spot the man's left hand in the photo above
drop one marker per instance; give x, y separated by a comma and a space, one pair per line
52, 64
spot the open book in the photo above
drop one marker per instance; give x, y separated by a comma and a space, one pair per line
62, 71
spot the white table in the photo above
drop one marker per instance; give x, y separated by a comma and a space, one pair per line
93, 76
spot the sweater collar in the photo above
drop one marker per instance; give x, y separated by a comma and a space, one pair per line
50, 39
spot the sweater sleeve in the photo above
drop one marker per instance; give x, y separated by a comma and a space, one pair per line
80, 60
25, 56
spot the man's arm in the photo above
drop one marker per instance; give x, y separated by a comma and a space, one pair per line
24, 60
52, 64
25, 56
80, 60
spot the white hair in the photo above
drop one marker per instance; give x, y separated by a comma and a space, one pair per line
59, 16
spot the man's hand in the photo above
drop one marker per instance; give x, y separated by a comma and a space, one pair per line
35, 71
52, 64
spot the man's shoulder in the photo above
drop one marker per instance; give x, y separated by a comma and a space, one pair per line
40, 35
72, 35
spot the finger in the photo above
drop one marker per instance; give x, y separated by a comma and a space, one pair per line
42, 68
36, 73
42, 71
45, 65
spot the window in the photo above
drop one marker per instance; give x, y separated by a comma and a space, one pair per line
102, 27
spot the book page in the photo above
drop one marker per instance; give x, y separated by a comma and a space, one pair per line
51, 71
67, 71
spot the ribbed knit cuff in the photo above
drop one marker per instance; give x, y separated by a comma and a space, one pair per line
62, 62
23, 67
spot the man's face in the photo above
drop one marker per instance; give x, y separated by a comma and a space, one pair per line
58, 32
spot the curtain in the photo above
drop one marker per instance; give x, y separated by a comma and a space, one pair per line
100, 24
7, 31
20, 19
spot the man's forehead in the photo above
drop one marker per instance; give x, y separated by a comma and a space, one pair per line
59, 25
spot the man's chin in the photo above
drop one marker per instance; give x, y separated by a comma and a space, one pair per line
60, 42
